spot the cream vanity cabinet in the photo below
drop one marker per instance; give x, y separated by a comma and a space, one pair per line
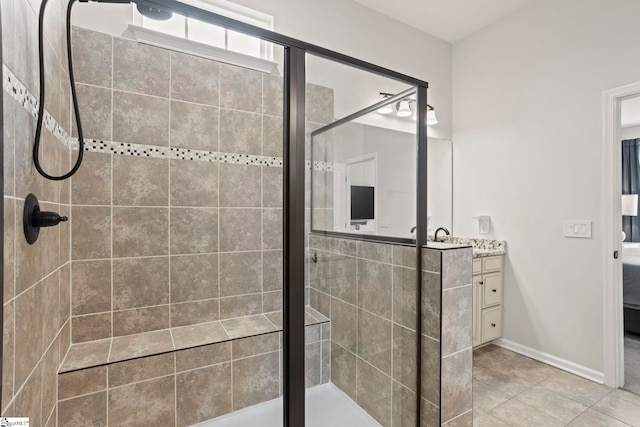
487, 298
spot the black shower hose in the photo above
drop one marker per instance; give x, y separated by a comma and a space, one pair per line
36, 144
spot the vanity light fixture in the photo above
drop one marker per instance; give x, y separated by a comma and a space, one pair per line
406, 108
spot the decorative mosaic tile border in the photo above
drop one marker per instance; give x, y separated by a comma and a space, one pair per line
152, 151
21, 94
18, 91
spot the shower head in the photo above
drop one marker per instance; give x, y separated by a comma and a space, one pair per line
153, 12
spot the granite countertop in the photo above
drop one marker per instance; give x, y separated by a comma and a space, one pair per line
481, 247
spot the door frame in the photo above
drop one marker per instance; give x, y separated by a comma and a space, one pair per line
613, 313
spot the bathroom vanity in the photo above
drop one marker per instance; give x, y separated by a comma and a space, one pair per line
487, 298
488, 287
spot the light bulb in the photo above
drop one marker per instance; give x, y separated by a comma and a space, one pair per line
431, 117
387, 109
403, 109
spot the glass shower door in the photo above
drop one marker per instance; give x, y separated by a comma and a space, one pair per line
361, 342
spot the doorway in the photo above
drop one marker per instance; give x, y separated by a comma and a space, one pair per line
614, 251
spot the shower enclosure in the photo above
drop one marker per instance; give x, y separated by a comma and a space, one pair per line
245, 246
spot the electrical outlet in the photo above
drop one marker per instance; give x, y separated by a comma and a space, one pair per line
577, 228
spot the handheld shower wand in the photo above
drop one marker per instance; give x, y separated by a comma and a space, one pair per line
144, 8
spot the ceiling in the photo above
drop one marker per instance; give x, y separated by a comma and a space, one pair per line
449, 20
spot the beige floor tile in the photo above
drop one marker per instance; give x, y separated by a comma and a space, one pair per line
591, 418
620, 409
552, 403
506, 383
486, 397
626, 395
519, 414
579, 389
486, 420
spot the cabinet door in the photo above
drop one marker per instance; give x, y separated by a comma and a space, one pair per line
491, 324
491, 264
492, 289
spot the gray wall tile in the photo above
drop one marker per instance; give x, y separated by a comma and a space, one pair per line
273, 95
431, 295
272, 229
272, 270
140, 282
190, 313
138, 320
91, 327
457, 267
141, 369
374, 393
343, 370
140, 181
95, 49
194, 126
203, 394
91, 185
374, 287
374, 341
194, 277
194, 230
89, 410
140, 235
140, 68
140, 119
194, 79
95, 104
240, 132
194, 183
344, 324
456, 384
240, 273
240, 230
240, 185
91, 287
457, 320
272, 187
404, 296
147, 403
404, 356
240, 88
91, 231
272, 136
255, 380
237, 306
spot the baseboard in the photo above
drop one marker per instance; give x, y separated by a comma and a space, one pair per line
552, 360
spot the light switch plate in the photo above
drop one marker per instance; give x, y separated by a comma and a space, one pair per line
577, 228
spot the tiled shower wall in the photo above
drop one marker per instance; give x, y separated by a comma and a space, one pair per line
36, 281
368, 290
177, 211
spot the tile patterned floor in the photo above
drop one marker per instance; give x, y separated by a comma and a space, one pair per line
513, 390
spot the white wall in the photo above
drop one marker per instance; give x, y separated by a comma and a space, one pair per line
340, 25
527, 95
630, 132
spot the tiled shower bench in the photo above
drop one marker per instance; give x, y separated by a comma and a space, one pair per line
188, 373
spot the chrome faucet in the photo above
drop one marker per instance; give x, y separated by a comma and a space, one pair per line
435, 236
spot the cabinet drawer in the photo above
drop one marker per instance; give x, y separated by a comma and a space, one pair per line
491, 289
492, 263
477, 266
491, 324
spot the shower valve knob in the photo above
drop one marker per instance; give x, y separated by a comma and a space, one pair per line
33, 219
